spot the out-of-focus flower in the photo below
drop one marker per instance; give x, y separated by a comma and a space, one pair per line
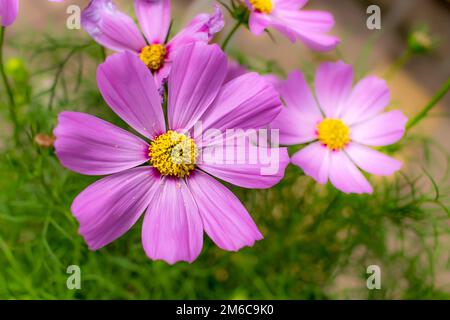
285, 16
16, 70
180, 195
9, 10
420, 41
339, 126
44, 140
117, 31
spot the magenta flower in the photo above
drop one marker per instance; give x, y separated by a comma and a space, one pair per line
285, 16
339, 125
9, 10
117, 31
235, 70
181, 198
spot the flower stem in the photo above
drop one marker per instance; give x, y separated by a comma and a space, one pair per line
12, 103
430, 105
60, 70
230, 35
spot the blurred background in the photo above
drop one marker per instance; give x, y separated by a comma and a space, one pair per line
318, 242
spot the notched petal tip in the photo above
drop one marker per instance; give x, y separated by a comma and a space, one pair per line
171, 262
172, 230
216, 21
201, 29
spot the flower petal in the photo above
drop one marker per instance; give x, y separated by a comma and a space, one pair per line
172, 229
198, 72
293, 129
110, 27
298, 119
234, 70
154, 18
258, 22
273, 79
290, 4
369, 97
8, 12
111, 206
345, 176
382, 130
304, 21
246, 102
129, 89
225, 219
161, 76
89, 145
240, 162
372, 161
333, 85
319, 41
309, 26
202, 28
283, 28
314, 160
296, 94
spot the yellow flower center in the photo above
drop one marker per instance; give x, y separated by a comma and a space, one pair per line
153, 56
333, 133
263, 6
173, 154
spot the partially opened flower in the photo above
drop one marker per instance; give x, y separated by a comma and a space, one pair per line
163, 176
9, 10
310, 27
117, 31
341, 126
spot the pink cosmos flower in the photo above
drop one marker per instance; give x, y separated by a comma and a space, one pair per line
340, 125
181, 199
117, 31
285, 16
9, 10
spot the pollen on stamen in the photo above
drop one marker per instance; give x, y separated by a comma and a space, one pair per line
173, 154
333, 133
263, 6
153, 56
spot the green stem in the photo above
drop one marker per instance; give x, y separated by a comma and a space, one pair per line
165, 100
430, 105
12, 103
230, 35
60, 71
102, 53
230, 11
